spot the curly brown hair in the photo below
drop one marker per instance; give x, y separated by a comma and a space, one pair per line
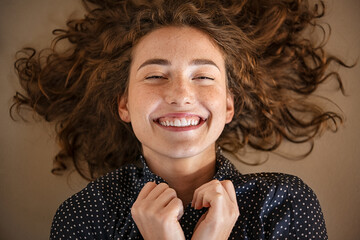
272, 68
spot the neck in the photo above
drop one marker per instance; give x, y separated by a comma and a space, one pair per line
184, 175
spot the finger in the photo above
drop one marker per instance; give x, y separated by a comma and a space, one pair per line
146, 190
198, 193
229, 188
155, 193
199, 201
214, 198
198, 198
165, 197
194, 199
206, 193
175, 208
215, 203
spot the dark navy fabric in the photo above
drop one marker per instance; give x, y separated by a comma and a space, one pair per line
271, 205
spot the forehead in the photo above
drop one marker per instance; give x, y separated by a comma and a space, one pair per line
176, 43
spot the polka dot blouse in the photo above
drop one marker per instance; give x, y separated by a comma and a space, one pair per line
271, 205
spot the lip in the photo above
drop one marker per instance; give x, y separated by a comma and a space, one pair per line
180, 115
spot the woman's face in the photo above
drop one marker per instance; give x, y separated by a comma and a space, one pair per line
177, 101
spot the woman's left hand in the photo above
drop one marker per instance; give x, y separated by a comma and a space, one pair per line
218, 222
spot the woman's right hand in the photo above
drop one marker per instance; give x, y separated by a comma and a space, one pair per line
223, 211
157, 211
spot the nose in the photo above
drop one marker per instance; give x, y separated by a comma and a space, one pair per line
180, 92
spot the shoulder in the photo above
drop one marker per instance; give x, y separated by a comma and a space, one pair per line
114, 186
282, 203
266, 184
278, 182
96, 206
278, 189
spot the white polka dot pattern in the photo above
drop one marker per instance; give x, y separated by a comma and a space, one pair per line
271, 205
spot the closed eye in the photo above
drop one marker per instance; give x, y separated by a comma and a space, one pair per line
204, 78
155, 77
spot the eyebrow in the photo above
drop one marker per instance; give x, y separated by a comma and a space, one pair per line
155, 61
158, 61
204, 62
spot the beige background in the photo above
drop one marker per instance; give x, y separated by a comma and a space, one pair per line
30, 194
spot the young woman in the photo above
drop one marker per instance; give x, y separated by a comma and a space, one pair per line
151, 92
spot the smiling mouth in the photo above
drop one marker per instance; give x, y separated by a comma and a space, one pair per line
180, 122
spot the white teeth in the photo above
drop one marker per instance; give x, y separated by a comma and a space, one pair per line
182, 122
177, 123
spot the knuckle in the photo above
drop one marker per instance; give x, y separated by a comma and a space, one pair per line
218, 197
234, 212
150, 184
196, 192
218, 187
136, 207
178, 201
215, 185
170, 191
215, 181
163, 185
139, 207
134, 211
227, 182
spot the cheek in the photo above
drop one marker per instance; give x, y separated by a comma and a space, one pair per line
142, 102
215, 99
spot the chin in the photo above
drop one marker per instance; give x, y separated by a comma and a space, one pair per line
179, 153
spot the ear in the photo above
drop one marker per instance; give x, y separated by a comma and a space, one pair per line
229, 107
123, 108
